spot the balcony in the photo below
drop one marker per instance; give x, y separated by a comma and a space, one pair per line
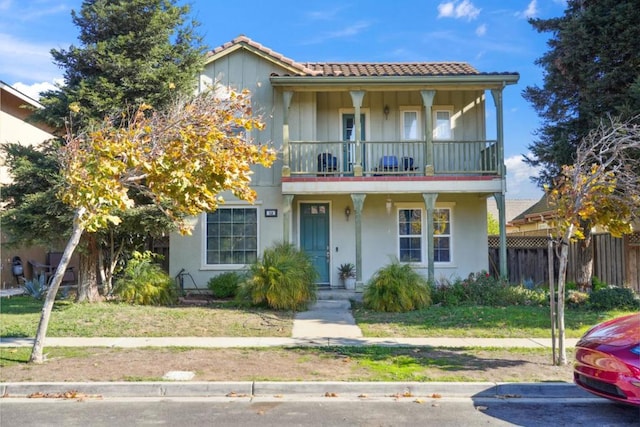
401, 159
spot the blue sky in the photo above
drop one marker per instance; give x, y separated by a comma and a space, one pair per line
491, 35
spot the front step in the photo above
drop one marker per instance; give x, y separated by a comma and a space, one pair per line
338, 294
335, 304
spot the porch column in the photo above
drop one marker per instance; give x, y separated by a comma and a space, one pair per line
286, 102
503, 233
497, 100
430, 205
358, 203
357, 97
286, 217
427, 100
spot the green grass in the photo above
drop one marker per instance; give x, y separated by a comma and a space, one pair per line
479, 322
19, 317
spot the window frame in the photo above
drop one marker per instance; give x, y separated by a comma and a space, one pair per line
439, 109
413, 207
205, 244
411, 109
423, 240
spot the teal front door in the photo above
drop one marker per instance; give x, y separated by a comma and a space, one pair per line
314, 237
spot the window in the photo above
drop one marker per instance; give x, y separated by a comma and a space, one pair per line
232, 236
442, 128
410, 235
410, 125
442, 235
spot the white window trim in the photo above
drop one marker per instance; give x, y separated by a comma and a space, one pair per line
203, 233
423, 244
423, 240
434, 112
451, 234
419, 131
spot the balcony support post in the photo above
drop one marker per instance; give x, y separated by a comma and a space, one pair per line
356, 97
500, 203
286, 103
497, 100
286, 217
358, 203
430, 205
427, 100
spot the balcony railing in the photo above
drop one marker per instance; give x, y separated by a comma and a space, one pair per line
337, 158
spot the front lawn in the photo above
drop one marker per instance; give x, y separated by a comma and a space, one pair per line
478, 322
19, 317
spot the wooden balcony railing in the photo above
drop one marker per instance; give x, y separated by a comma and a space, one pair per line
337, 158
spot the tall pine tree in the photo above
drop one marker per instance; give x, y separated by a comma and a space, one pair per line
591, 71
129, 52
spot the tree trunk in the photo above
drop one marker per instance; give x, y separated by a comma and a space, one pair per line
562, 277
41, 333
88, 274
552, 297
584, 260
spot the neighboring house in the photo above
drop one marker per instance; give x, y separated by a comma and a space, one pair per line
376, 161
513, 207
15, 109
533, 220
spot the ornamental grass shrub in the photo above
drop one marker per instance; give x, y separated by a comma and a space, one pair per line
397, 288
145, 283
283, 279
225, 285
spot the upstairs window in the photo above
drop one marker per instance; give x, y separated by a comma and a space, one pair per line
410, 125
442, 129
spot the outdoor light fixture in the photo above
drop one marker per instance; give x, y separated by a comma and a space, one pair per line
386, 112
389, 205
347, 212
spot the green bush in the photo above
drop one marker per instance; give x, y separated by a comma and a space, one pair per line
483, 289
145, 283
397, 288
597, 284
614, 298
283, 279
225, 285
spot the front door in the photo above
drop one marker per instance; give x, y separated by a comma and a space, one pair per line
314, 236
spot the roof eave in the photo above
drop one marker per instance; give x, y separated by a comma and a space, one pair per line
482, 81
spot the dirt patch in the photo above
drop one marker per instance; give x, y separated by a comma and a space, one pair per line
278, 364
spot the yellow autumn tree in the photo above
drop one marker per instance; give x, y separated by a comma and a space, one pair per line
181, 159
602, 188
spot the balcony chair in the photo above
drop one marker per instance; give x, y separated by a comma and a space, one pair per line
388, 164
327, 162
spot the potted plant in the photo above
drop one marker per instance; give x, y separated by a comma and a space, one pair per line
347, 273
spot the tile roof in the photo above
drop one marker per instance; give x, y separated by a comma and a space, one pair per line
356, 69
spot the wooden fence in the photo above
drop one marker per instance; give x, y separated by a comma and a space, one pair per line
616, 261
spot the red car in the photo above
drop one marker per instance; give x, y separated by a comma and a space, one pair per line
608, 360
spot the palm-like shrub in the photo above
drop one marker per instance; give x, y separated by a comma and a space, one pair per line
397, 288
145, 283
283, 279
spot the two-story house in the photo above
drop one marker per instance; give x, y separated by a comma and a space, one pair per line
376, 161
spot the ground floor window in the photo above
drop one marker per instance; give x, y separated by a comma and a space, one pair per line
410, 235
232, 236
442, 235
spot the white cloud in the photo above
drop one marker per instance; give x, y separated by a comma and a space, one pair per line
481, 30
532, 9
22, 60
34, 90
457, 10
519, 185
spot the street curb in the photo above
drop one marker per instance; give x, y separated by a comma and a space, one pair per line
301, 389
